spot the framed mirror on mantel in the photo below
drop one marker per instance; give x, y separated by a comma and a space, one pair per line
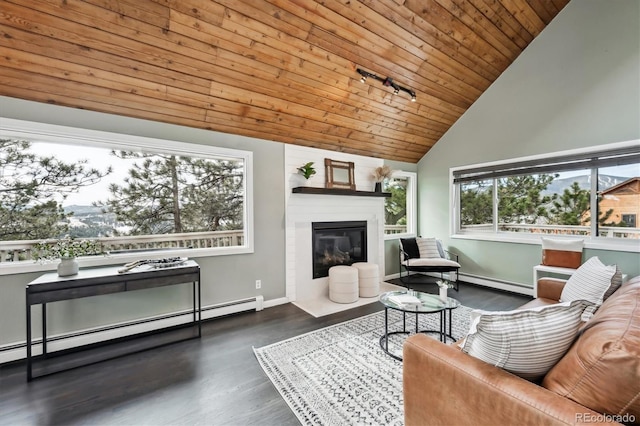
339, 174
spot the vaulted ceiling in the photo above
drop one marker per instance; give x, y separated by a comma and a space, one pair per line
282, 70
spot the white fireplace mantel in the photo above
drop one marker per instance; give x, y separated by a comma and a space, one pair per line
317, 205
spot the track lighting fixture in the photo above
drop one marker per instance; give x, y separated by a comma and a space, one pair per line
386, 82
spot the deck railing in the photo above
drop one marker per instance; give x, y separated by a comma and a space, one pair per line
395, 229
22, 250
604, 231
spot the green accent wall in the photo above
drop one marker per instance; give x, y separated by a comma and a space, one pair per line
576, 85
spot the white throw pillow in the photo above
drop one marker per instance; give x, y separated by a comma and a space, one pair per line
592, 281
428, 248
526, 342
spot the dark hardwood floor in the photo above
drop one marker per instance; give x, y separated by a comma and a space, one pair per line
215, 380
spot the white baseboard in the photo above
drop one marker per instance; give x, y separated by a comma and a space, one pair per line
17, 350
497, 284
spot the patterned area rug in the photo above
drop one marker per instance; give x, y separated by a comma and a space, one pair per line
339, 375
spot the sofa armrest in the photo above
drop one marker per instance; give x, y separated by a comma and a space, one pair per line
443, 385
550, 288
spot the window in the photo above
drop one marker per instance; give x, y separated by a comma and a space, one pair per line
476, 206
629, 220
135, 196
551, 195
400, 208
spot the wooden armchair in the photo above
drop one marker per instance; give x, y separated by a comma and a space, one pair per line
425, 255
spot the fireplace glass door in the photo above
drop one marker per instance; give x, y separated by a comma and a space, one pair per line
338, 243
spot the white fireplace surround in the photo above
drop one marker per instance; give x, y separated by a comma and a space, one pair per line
303, 209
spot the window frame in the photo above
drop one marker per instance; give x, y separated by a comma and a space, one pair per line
19, 129
593, 241
412, 206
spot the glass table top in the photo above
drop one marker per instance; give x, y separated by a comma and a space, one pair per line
416, 301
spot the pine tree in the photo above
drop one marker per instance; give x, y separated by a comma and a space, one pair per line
476, 203
29, 184
520, 198
573, 207
169, 194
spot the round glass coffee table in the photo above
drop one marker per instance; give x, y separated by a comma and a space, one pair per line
415, 302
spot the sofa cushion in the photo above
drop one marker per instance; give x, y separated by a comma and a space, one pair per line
593, 281
602, 368
562, 253
525, 342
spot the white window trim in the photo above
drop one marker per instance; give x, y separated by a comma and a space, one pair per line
412, 205
598, 243
20, 129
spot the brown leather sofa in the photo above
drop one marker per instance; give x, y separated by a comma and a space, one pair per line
600, 374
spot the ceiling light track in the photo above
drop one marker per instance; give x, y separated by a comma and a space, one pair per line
388, 81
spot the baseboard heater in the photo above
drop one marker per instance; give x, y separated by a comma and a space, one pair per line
496, 283
17, 351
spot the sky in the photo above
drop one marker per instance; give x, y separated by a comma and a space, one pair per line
99, 158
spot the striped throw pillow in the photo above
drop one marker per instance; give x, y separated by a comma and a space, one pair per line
592, 281
428, 248
525, 342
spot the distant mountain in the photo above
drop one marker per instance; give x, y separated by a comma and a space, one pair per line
82, 210
90, 222
604, 182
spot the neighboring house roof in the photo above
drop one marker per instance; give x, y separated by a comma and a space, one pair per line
628, 186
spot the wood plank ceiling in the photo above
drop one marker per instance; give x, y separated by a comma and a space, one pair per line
282, 70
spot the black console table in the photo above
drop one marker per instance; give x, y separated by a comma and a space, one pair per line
99, 281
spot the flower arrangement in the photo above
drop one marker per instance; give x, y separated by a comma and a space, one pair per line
307, 170
444, 284
66, 248
381, 173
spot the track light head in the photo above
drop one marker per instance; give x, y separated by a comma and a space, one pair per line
388, 81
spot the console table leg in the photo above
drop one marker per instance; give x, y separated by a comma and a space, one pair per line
199, 308
29, 372
44, 329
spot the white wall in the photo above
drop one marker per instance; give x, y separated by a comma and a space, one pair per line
576, 85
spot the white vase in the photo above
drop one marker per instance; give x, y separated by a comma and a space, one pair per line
68, 266
443, 294
298, 180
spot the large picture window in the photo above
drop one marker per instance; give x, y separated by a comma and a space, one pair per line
553, 195
134, 196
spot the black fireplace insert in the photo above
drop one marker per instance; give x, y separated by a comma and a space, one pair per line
337, 243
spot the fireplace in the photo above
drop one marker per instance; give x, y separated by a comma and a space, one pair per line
337, 243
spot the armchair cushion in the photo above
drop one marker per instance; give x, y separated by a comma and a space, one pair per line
434, 261
410, 247
524, 342
428, 248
